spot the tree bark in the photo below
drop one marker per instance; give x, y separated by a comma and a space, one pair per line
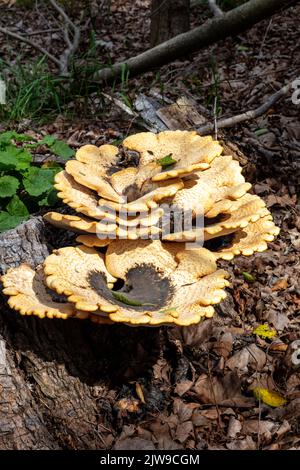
59, 379
231, 23
168, 19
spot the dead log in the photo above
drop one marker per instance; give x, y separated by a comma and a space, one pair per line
231, 23
60, 380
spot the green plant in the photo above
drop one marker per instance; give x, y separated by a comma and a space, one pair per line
34, 93
24, 187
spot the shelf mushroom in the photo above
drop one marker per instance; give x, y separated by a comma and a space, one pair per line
129, 266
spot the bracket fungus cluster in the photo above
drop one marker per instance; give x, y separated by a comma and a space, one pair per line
129, 265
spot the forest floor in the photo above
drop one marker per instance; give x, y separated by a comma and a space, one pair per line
192, 387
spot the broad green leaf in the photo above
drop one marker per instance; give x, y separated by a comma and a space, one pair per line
16, 213
7, 137
8, 186
47, 140
269, 398
166, 161
264, 331
13, 158
16, 207
50, 199
62, 149
8, 221
58, 147
37, 181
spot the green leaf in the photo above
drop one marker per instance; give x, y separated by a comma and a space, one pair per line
58, 147
248, 277
8, 186
50, 199
122, 298
61, 149
13, 158
47, 140
37, 181
8, 221
7, 137
166, 161
16, 213
262, 131
16, 207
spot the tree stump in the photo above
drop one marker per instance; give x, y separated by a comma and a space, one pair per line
60, 379
168, 19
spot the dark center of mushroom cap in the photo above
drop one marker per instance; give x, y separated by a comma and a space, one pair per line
145, 288
125, 159
218, 243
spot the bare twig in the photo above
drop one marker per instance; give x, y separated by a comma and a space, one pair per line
215, 119
30, 43
42, 31
216, 10
253, 114
72, 44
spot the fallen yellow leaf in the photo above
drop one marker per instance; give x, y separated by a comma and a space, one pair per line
269, 398
139, 392
264, 331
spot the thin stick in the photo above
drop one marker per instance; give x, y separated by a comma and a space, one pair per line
30, 43
215, 118
72, 45
253, 114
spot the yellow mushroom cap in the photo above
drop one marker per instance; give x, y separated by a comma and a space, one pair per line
188, 150
29, 295
154, 274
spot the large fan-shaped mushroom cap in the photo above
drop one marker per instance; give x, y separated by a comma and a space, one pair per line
85, 201
29, 295
248, 208
71, 270
102, 170
163, 283
250, 239
223, 180
186, 151
156, 192
103, 230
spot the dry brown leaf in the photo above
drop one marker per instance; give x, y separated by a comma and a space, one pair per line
281, 284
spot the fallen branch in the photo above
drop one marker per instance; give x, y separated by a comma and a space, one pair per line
229, 24
216, 10
72, 44
30, 43
253, 114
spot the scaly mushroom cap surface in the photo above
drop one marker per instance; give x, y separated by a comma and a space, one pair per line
86, 202
163, 283
250, 239
103, 230
223, 180
188, 151
29, 295
114, 174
